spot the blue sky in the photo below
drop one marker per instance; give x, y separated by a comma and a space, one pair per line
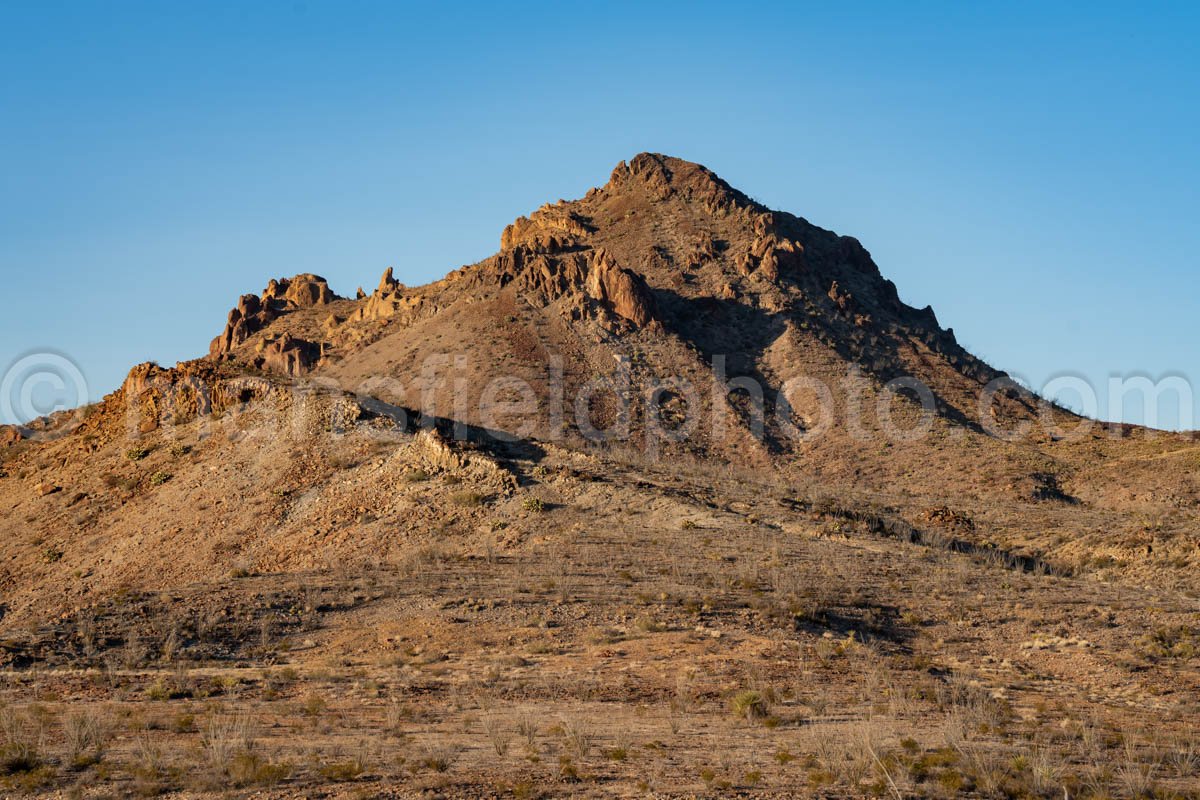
1030, 170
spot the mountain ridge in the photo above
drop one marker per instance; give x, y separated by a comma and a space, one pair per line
706, 260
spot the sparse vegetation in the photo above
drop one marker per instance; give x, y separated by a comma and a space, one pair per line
467, 499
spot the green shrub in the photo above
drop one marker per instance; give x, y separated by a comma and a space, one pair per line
533, 505
137, 453
159, 691
159, 478
750, 704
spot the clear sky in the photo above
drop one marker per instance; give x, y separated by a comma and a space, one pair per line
1030, 170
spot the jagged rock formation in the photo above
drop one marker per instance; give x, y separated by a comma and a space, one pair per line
585, 282
286, 354
387, 284
387, 301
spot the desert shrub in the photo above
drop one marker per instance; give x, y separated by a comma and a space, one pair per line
112, 481
160, 690
178, 450
1178, 641
527, 729
159, 478
497, 735
252, 769
148, 767
184, 723
137, 453
578, 737
225, 736
435, 761
466, 498
534, 505
750, 704
416, 475
342, 771
314, 704
85, 735
22, 737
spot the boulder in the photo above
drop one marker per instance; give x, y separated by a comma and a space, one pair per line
307, 290
624, 292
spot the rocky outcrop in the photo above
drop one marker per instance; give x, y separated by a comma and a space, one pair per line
549, 229
770, 256
623, 292
253, 314
662, 176
302, 291
288, 355
245, 320
389, 300
10, 435
439, 454
152, 396
387, 283
585, 283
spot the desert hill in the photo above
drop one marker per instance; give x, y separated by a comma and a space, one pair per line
661, 270
428, 512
